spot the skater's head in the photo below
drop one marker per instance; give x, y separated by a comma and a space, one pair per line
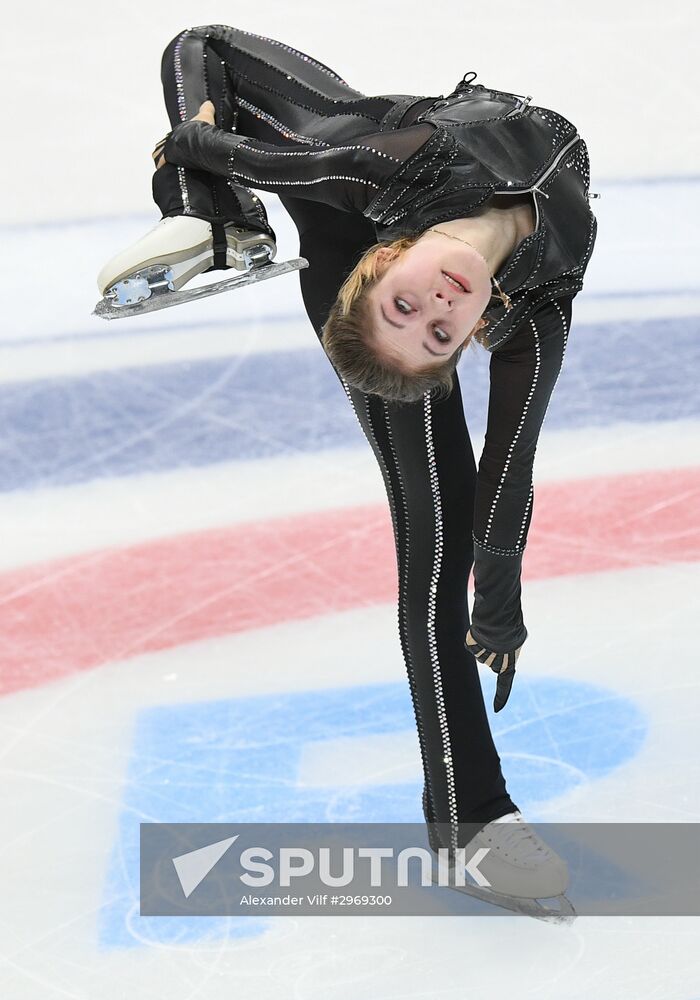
399, 324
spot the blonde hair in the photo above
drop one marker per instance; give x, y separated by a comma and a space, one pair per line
347, 337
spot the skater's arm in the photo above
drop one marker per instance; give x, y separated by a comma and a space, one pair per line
522, 376
347, 176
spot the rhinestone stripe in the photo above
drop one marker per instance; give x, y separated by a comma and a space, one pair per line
319, 152
207, 90
284, 96
288, 48
563, 283
236, 174
182, 108
268, 65
554, 385
494, 550
222, 101
528, 506
183, 189
402, 611
257, 206
580, 268
432, 639
436, 143
520, 544
277, 125
443, 163
179, 77
561, 364
417, 203
525, 246
511, 449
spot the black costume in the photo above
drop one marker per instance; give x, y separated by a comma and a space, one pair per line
352, 171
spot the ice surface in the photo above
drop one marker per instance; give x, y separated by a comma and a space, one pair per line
158, 477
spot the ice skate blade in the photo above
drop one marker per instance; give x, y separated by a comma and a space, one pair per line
565, 914
107, 309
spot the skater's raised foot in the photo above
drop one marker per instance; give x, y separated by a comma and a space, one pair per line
183, 246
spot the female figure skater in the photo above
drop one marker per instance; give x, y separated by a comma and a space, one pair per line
427, 222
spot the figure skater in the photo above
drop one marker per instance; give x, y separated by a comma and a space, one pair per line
428, 223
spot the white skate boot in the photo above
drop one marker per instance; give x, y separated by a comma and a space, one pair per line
520, 869
149, 274
519, 863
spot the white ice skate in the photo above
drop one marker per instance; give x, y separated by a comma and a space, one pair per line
520, 868
149, 274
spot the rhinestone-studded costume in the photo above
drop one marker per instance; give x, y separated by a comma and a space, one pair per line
352, 170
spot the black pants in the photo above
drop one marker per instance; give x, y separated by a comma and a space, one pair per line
269, 91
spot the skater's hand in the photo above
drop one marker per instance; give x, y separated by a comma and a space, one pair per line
502, 664
206, 113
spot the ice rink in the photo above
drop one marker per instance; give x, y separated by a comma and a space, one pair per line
198, 589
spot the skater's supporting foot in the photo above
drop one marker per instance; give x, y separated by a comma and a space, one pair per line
518, 862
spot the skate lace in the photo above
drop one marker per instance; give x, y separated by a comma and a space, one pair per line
518, 839
464, 84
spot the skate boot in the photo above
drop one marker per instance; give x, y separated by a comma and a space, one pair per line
174, 251
190, 240
519, 863
518, 871
150, 274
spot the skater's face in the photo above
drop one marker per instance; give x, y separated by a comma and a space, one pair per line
419, 316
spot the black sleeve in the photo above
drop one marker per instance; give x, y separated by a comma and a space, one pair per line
347, 176
523, 374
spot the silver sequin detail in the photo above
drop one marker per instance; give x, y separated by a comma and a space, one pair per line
287, 48
182, 108
559, 125
181, 176
561, 364
513, 443
257, 181
277, 125
402, 610
319, 152
432, 638
179, 78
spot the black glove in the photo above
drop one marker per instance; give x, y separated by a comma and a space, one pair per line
502, 664
201, 146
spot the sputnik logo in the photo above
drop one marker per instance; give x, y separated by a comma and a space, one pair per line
193, 867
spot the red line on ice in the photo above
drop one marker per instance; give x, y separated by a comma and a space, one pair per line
76, 613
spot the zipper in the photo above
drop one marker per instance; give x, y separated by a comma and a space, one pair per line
520, 106
543, 177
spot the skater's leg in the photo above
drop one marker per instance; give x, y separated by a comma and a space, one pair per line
426, 458
260, 87
192, 73
276, 90
429, 471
